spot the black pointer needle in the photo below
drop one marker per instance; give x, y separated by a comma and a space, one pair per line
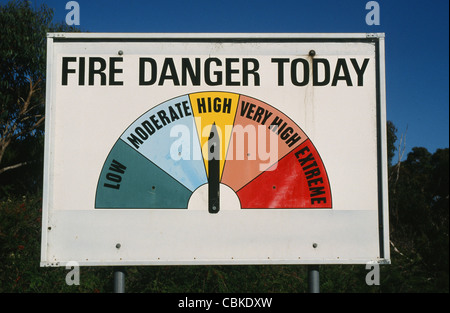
213, 170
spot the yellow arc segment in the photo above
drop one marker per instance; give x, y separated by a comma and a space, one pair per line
219, 108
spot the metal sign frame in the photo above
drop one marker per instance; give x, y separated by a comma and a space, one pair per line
71, 234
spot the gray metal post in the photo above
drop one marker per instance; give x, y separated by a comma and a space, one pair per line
313, 279
119, 279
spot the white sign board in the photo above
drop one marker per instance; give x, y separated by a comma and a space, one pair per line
215, 149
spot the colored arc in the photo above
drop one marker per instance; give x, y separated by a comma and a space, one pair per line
162, 158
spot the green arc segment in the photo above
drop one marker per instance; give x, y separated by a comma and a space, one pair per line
129, 180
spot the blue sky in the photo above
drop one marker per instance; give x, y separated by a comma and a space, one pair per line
417, 42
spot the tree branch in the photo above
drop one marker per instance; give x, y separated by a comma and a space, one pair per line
2, 170
401, 150
13, 128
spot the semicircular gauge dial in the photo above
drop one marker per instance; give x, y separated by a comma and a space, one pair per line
213, 138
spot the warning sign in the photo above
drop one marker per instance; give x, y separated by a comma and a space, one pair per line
207, 149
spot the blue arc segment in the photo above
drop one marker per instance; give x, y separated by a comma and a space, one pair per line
128, 180
167, 136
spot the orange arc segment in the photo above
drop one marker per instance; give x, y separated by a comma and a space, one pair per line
261, 136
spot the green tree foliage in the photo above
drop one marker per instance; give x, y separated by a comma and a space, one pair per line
391, 139
419, 212
23, 32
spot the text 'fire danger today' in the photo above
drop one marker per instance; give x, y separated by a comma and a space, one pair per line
213, 71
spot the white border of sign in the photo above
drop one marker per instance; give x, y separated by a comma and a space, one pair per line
49, 219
